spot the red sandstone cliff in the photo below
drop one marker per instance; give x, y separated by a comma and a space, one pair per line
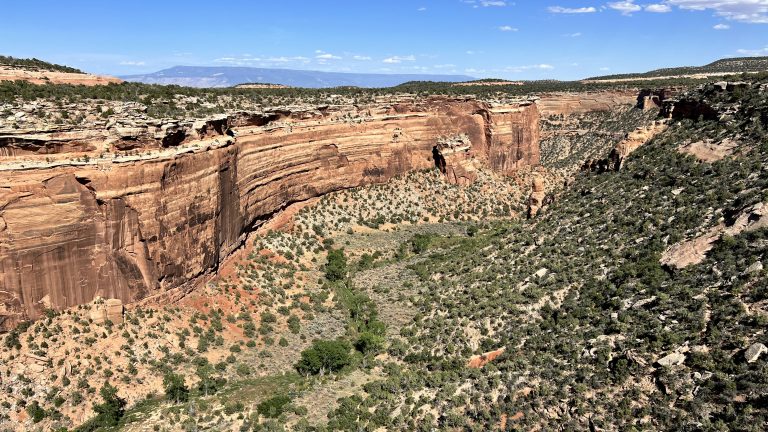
132, 228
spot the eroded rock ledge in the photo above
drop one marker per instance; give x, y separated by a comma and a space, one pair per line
133, 228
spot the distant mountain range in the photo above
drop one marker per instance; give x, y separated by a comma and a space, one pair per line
203, 76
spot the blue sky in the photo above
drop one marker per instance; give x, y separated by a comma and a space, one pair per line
522, 39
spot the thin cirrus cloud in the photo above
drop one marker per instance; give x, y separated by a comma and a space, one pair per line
753, 52
518, 69
485, 3
327, 56
721, 27
507, 28
399, 59
247, 60
566, 10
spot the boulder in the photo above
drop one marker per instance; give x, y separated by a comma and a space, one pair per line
114, 310
98, 314
103, 310
757, 267
536, 199
754, 352
674, 359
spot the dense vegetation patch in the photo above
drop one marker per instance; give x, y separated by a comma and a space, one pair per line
585, 309
35, 64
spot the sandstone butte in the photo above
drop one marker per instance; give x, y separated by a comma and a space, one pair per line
134, 228
52, 77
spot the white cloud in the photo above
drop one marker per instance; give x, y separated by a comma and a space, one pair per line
753, 52
626, 7
507, 28
399, 59
485, 3
421, 9
132, 63
517, 69
658, 8
284, 59
721, 27
750, 11
573, 35
565, 10
361, 58
327, 56
605, 69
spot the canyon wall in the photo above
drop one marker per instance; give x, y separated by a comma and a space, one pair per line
552, 104
134, 228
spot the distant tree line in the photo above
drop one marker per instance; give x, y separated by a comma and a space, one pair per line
35, 64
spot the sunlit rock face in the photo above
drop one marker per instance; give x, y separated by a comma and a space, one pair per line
148, 226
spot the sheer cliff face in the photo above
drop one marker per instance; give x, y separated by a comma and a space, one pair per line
151, 227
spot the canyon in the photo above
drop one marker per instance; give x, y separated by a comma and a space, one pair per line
149, 225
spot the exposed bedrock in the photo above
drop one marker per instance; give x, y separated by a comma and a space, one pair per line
151, 227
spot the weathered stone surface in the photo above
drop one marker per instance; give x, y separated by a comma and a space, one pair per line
708, 151
580, 103
674, 359
754, 352
143, 227
538, 193
694, 251
633, 141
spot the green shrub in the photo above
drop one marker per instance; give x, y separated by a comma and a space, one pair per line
175, 388
274, 406
324, 356
336, 267
36, 413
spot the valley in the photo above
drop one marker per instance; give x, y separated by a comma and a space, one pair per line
273, 260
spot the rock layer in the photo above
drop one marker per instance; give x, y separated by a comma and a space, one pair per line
135, 228
52, 77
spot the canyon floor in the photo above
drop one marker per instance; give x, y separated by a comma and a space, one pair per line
618, 285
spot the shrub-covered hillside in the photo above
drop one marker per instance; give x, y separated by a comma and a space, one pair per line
35, 64
597, 333
727, 65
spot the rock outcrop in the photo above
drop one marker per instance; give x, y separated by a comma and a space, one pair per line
107, 310
566, 104
649, 99
130, 228
538, 194
694, 251
631, 142
51, 77
754, 352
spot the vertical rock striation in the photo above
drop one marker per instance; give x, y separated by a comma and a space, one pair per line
151, 226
